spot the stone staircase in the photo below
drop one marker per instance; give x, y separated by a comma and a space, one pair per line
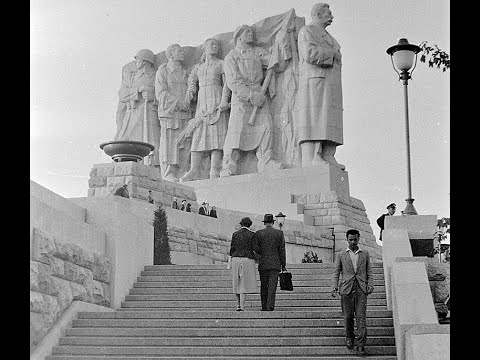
188, 312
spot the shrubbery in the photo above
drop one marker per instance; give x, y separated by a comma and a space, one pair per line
161, 248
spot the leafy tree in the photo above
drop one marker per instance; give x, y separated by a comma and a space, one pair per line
434, 56
161, 248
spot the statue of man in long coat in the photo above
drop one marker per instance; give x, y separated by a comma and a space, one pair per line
318, 118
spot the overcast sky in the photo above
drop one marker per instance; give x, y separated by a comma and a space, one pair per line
79, 47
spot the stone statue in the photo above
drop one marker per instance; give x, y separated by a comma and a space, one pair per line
137, 94
173, 112
244, 75
209, 126
318, 119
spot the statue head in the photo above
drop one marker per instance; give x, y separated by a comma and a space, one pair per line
144, 55
245, 34
175, 52
210, 46
321, 13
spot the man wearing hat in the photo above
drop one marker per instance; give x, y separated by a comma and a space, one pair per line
138, 94
271, 247
381, 220
203, 209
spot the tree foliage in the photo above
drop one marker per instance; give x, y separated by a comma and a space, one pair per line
161, 248
443, 228
434, 56
311, 257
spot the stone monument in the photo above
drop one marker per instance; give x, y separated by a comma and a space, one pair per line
268, 107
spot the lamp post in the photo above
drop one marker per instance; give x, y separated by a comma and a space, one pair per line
403, 55
281, 219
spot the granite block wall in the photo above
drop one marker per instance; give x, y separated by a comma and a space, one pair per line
59, 274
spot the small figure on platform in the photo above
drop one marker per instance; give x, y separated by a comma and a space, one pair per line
188, 208
183, 205
213, 212
151, 200
175, 203
203, 210
122, 191
381, 220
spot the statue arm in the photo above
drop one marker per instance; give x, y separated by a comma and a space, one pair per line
313, 52
192, 83
226, 93
235, 81
127, 93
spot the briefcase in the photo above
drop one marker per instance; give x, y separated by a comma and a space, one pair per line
286, 281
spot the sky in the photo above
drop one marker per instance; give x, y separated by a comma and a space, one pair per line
78, 48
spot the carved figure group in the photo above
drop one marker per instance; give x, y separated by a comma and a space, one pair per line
210, 119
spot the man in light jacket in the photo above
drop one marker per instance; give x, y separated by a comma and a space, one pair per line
354, 286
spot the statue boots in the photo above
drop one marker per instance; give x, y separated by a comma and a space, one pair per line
194, 172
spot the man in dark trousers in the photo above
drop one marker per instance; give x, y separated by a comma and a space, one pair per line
381, 220
271, 247
356, 283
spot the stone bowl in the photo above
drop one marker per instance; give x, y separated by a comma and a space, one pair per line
126, 150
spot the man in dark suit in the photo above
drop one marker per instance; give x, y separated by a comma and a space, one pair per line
381, 220
271, 247
213, 212
355, 285
202, 210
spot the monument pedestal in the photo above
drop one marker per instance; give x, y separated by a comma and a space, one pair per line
318, 196
271, 191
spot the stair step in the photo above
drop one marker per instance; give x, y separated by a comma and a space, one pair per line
222, 304
222, 323
187, 312
228, 283
222, 266
219, 341
217, 350
253, 308
254, 297
228, 277
163, 314
148, 288
256, 357
220, 332
220, 272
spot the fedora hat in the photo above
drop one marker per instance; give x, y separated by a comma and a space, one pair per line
268, 218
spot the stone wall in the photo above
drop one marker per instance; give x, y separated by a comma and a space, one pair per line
439, 281
340, 212
216, 246
106, 178
59, 274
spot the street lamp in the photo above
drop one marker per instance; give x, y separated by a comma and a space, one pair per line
403, 55
281, 219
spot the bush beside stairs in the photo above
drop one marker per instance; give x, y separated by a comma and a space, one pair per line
188, 312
